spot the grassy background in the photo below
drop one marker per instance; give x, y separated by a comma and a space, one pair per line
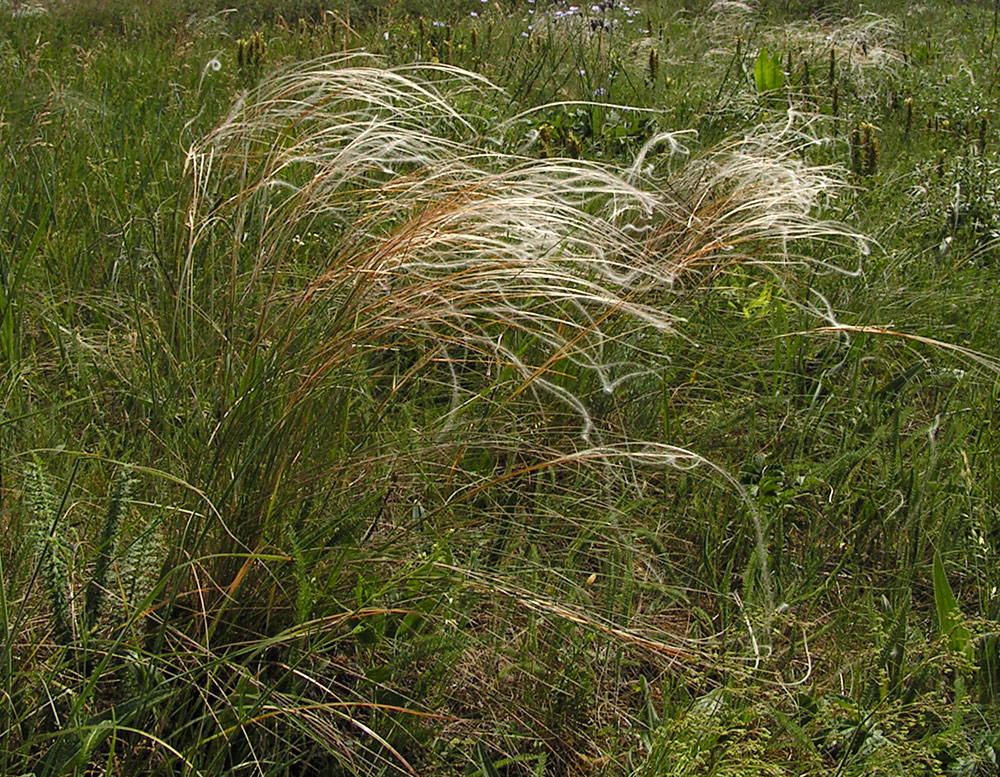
262, 514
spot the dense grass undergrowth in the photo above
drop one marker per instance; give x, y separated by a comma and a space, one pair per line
499, 388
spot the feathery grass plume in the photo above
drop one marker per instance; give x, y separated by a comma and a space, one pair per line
751, 202
736, 8
50, 552
859, 44
436, 236
860, 50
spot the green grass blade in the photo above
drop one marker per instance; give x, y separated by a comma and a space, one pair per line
949, 616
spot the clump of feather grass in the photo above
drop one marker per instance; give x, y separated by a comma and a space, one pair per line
864, 49
355, 231
862, 44
429, 239
433, 234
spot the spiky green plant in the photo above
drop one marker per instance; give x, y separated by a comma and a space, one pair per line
121, 490
51, 551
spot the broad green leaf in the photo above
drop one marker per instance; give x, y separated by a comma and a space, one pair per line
767, 72
949, 616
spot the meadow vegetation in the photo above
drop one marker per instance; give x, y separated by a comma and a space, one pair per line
499, 388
